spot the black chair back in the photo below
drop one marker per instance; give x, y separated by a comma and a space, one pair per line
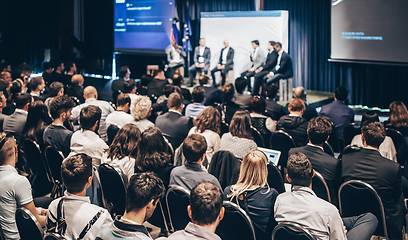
282, 142
327, 148
35, 160
335, 141
111, 132
113, 189
357, 197
349, 132
160, 216
396, 137
177, 200
225, 167
54, 160
320, 187
256, 135
275, 178
28, 226
236, 224
292, 231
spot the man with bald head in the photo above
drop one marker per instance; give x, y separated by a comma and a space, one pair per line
91, 98
309, 112
76, 89
225, 63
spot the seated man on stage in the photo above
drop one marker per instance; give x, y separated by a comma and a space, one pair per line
225, 63
257, 58
202, 57
265, 68
283, 68
175, 57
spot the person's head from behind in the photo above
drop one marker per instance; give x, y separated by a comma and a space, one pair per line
56, 89
300, 93
175, 102
272, 91
210, 119
141, 108
194, 147
77, 80
240, 85
60, 108
206, 204
123, 102
253, 171
47, 67
125, 142
23, 101
143, 193
168, 89
37, 84
198, 94
257, 104
76, 173
319, 129
36, 118
177, 79
255, 43
129, 86
300, 171
124, 72
373, 134
340, 93
204, 80
228, 92
369, 117
296, 106
8, 149
90, 92
90, 117
159, 74
145, 79
398, 114
240, 125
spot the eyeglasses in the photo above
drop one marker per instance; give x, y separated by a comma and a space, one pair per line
4, 136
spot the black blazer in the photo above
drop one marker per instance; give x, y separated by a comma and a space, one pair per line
212, 95
230, 58
285, 66
155, 87
174, 126
271, 60
274, 110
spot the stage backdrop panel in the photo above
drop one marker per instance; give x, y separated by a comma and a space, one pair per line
241, 28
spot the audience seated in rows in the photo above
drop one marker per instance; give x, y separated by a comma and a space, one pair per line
15, 190
265, 125
398, 118
197, 106
208, 124
273, 109
318, 131
160, 106
91, 96
122, 152
118, 84
383, 175
56, 89
37, 120
130, 88
178, 81
319, 217
193, 172
242, 98
294, 124
173, 124
142, 88
75, 207
309, 112
252, 193
77, 88
142, 196
141, 109
37, 85
387, 148
212, 94
338, 112
239, 138
86, 140
205, 211
228, 107
120, 117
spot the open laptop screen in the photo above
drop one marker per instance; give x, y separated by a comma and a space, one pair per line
273, 155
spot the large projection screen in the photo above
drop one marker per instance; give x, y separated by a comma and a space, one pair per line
241, 28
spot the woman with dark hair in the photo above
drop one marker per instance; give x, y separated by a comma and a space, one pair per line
37, 120
154, 154
239, 139
122, 152
398, 118
387, 148
208, 124
265, 125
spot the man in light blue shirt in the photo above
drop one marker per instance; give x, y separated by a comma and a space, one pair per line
195, 108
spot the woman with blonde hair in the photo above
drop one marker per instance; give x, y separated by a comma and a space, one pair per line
140, 110
239, 139
252, 192
208, 124
398, 117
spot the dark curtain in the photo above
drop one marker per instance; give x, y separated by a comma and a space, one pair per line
309, 47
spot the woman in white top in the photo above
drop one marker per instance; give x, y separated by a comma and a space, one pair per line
122, 152
208, 124
140, 110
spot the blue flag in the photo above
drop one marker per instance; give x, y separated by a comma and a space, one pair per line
187, 33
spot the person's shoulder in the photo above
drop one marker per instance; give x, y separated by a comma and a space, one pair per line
297, 149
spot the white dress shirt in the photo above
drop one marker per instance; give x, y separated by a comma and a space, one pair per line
88, 142
118, 118
126, 165
279, 60
224, 55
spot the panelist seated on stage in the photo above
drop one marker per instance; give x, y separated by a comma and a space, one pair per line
175, 57
257, 58
225, 63
283, 68
202, 57
268, 64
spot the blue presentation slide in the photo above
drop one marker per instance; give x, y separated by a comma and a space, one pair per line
143, 25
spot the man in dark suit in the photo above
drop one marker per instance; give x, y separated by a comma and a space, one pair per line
225, 63
273, 109
156, 85
174, 126
37, 85
367, 164
257, 57
318, 131
124, 75
212, 94
266, 67
283, 68
309, 112
202, 57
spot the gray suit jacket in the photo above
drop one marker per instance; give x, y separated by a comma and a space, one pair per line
258, 59
15, 123
207, 56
